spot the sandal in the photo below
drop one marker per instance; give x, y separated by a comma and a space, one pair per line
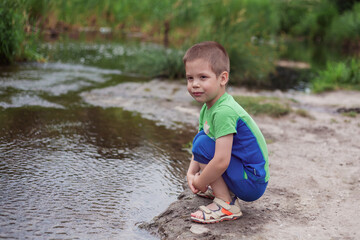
207, 194
226, 211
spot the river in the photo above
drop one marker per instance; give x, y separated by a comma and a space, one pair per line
71, 170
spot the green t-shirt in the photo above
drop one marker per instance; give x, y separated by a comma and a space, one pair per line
225, 117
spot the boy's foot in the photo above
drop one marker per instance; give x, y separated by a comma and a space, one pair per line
207, 194
199, 214
217, 211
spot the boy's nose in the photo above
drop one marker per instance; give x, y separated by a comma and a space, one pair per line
195, 84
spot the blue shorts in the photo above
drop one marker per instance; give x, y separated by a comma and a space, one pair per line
234, 176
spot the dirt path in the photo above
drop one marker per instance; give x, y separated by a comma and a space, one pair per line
313, 191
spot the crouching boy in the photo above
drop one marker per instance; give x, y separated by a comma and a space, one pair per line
230, 156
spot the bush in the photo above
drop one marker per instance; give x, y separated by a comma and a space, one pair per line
338, 75
292, 13
158, 62
15, 44
246, 30
329, 21
315, 23
37, 9
11, 29
345, 28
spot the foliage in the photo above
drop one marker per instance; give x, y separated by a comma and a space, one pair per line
316, 21
292, 13
338, 75
15, 44
245, 29
11, 30
345, 27
273, 107
158, 62
343, 6
37, 9
329, 21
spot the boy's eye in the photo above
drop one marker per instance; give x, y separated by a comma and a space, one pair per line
189, 78
203, 77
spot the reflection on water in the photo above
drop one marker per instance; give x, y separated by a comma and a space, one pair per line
69, 170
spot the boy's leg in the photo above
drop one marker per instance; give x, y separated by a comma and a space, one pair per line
219, 187
203, 151
220, 190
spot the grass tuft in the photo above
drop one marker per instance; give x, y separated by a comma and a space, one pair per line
304, 113
352, 114
338, 75
270, 106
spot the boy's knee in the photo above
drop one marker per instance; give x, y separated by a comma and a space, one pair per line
203, 148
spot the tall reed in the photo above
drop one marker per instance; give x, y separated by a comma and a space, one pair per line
11, 29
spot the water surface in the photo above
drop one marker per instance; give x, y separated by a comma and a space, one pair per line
69, 170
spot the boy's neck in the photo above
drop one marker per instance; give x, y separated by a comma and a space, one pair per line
210, 105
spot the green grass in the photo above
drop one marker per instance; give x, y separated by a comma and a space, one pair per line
12, 34
15, 43
158, 62
270, 106
338, 75
352, 114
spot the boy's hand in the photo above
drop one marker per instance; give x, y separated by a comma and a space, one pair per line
196, 183
190, 179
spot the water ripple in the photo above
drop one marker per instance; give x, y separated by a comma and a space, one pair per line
58, 180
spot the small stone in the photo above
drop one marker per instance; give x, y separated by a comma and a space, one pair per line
198, 229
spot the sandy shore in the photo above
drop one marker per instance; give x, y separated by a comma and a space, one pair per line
313, 191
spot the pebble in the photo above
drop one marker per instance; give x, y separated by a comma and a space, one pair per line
198, 229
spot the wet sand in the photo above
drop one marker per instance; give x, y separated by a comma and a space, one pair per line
313, 191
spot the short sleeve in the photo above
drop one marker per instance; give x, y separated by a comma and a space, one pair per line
225, 119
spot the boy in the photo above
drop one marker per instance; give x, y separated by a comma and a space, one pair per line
229, 152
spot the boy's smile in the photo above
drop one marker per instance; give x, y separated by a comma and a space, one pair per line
197, 94
203, 84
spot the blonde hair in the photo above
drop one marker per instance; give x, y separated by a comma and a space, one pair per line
212, 52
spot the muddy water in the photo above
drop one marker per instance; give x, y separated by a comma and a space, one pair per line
69, 170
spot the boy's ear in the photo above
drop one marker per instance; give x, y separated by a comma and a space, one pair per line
224, 78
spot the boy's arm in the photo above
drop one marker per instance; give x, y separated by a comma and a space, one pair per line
217, 165
194, 168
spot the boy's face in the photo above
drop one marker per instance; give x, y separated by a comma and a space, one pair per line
202, 83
